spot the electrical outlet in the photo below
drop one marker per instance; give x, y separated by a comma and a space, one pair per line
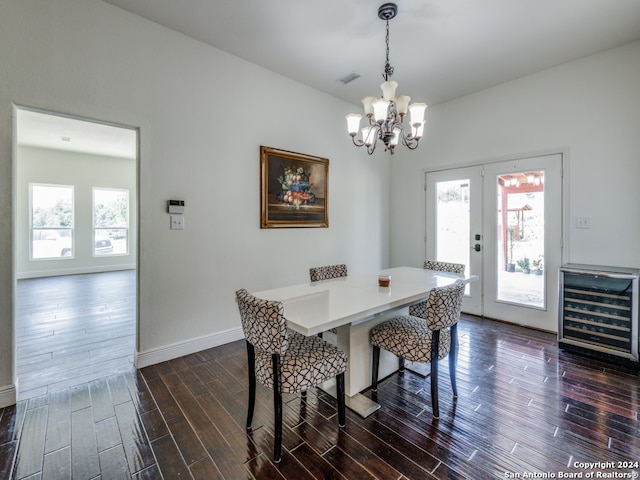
177, 222
583, 222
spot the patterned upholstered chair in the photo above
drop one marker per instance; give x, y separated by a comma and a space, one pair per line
325, 273
285, 361
424, 340
444, 266
420, 309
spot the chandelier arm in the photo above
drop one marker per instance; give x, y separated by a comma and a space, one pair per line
410, 142
357, 143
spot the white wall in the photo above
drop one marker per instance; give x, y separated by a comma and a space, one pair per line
88, 58
83, 172
590, 106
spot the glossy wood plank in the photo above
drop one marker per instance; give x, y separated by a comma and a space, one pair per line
59, 422
168, 458
101, 400
187, 440
30, 457
205, 469
107, 434
8, 452
318, 466
113, 464
154, 424
73, 329
57, 464
134, 439
84, 450
524, 406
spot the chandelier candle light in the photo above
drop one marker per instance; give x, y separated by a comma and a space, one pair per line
386, 114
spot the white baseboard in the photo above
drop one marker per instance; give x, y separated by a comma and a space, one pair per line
175, 350
74, 271
7, 395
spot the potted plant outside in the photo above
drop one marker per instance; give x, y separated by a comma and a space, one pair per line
538, 265
524, 264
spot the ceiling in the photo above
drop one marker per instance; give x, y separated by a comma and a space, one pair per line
57, 132
441, 49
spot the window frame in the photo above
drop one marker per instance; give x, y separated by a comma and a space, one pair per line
96, 227
57, 228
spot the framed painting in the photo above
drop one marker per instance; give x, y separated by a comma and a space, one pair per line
293, 189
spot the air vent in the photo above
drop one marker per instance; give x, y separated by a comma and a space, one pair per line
349, 78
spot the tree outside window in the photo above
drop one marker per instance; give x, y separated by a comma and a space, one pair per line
111, 221
51, 221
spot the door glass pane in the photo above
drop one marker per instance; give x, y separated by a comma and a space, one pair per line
520, 266
452, 222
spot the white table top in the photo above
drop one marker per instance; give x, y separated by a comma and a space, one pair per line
311, 308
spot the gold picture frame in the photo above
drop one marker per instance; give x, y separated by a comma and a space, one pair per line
293, 189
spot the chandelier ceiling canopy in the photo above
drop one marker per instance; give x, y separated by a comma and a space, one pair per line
385, 115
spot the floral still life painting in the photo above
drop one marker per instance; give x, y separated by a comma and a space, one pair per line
294, 189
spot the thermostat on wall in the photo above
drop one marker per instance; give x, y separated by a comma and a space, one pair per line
176, 206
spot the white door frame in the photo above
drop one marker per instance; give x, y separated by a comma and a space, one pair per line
133, 247
563, 152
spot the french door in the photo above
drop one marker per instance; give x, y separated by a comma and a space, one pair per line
503, 221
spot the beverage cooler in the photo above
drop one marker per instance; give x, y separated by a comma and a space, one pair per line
598, 311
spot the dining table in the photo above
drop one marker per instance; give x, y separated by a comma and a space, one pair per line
353, 305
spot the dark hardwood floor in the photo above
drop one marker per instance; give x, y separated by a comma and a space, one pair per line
524, 407
73, 329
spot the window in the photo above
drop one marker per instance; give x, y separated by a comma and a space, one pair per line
51, 221
110, 221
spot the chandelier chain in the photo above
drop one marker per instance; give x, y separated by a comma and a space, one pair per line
388, 69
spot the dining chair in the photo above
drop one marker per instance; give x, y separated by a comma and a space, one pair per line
285, 361
419, 309
327, 272
425, 340
444, 266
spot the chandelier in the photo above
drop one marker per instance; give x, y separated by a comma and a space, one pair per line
385, 115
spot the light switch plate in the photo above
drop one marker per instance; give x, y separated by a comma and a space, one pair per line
177, 222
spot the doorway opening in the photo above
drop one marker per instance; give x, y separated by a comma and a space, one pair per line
75, 250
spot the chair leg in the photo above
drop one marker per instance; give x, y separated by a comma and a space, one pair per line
251, 364
277, 409
374, 368
342, 418
453, 359
435, 343
400, 364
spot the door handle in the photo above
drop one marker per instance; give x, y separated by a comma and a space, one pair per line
477, 247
